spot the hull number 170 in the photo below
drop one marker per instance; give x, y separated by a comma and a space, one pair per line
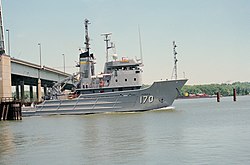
146, 98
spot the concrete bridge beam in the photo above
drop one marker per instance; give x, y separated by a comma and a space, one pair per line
13, 71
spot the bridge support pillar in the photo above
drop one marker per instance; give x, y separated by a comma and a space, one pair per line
5, 76
45, 89
22, 91
39, 92
31, 94
17, 92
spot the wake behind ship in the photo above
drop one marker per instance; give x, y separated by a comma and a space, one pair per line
117, 89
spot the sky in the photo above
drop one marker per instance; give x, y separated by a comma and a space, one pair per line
212, 37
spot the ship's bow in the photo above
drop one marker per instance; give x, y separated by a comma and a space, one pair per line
162, 93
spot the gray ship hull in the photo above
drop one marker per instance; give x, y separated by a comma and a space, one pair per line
159, 95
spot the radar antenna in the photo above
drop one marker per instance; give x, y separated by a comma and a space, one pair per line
107, 40
175, 62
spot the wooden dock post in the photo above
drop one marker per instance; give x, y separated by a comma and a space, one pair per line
10, 109
218, 96
234, 94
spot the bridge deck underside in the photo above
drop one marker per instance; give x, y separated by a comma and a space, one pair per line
17, 79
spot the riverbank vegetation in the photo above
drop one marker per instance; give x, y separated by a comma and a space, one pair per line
242, 88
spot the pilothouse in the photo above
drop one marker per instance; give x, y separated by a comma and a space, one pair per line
118, 75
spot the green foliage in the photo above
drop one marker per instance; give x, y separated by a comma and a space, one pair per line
242, 88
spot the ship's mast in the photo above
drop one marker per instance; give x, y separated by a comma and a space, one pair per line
175, 60
86, 69
86, 23
107, 40
2, 48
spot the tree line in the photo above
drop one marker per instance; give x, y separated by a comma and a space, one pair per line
242, 88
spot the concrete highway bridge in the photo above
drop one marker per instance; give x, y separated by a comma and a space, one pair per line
18, 75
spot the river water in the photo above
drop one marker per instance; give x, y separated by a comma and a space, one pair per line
198, 131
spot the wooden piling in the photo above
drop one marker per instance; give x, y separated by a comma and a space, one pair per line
10, 109
218, 96
234, 94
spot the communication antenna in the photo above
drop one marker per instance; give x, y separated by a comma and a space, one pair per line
107, 40
86, 23
2, 48
175, 62
139, 31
